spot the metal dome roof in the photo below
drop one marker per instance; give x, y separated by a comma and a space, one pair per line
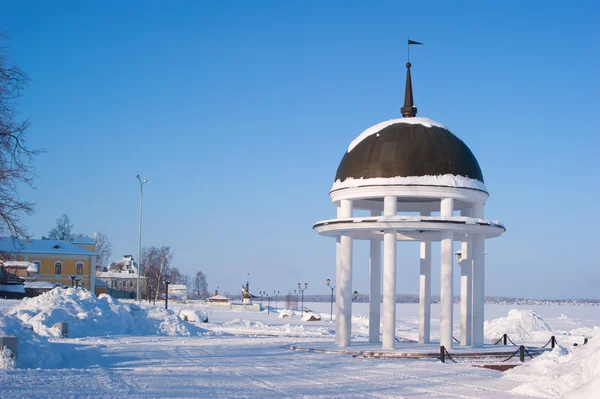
405, 149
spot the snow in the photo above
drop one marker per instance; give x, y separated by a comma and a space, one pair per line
193, 315
33, 350
380, 126
36, 246
435, 181
39, 284
20, 288
520, 326
88, 315
244, 354
573, 371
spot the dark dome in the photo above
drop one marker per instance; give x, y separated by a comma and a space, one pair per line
408, 149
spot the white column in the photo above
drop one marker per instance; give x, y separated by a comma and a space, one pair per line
375, 287
338, 242
466, 295
446, 256
478, 281
425, 290
389, 277
344, 283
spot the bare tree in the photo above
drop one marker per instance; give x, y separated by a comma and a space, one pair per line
291, 301
15, 156
155, 264
103, 248
63, 230
200, 284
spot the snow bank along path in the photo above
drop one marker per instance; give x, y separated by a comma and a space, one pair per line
89, 315
33, 321
573, 371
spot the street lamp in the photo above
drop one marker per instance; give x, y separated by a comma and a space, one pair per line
302, 292
332, 288
355, 295
275, 293
261, 293
167, 282
142, 182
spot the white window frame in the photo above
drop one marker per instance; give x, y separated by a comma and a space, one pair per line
77, 264
62, 265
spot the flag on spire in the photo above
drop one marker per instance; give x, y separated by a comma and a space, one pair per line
413, 42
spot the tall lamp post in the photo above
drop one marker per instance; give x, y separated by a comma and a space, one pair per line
261, 293
275, 293
301, 290
142, 182
332, 288
167, 282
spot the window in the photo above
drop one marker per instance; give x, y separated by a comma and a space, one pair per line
131, 284
38, 263
79, 267
58, 267
124, 284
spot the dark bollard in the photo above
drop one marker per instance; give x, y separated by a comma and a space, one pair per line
443, 354
522, 353
552, 342
585, 341
505, 339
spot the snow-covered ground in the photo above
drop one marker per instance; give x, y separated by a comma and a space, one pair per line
119, 349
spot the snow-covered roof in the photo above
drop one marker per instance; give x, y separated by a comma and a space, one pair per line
35, 246
380, 126
85, 241
19, 288
218, 298
103, 284
116, 275
39, 284
175, 287
31, 267
437, 181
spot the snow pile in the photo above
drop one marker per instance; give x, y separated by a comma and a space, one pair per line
310, 316
33, 351
150, 320
520, 325
193, 315
86, 314
286, 313
574, 373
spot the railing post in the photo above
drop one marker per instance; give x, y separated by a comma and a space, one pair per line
505, 339
522, 353
585, 341
443, 354
552, 342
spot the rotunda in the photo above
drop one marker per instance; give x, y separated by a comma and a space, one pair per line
420, 183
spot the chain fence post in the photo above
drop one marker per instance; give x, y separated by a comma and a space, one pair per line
522, 353
443, 354
585, 341
552, 342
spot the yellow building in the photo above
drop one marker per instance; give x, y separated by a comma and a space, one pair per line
57, 260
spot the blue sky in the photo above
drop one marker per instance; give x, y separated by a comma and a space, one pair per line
238, 113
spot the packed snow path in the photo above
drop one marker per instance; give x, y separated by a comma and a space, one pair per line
241, 368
